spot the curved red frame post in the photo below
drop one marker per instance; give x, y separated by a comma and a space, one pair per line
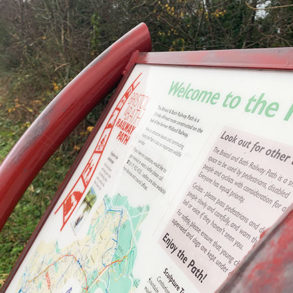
268, 266
63, 114
275, 58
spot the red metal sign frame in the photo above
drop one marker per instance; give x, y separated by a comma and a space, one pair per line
253, 272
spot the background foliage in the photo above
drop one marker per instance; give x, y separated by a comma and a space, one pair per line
45, 43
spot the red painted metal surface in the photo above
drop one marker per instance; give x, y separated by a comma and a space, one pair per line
278, 58
269, 266
62, 115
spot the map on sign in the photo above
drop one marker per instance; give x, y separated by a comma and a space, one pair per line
167, 196
103, 259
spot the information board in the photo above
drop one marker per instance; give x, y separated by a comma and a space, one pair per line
189, 168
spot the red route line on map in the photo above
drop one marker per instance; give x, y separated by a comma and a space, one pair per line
81, 178
106, 267
59, 259
77, 261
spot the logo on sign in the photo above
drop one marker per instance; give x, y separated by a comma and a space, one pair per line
136, 107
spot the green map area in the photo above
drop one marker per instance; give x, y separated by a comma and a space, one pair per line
102, 261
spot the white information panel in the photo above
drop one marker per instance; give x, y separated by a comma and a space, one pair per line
189, 168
